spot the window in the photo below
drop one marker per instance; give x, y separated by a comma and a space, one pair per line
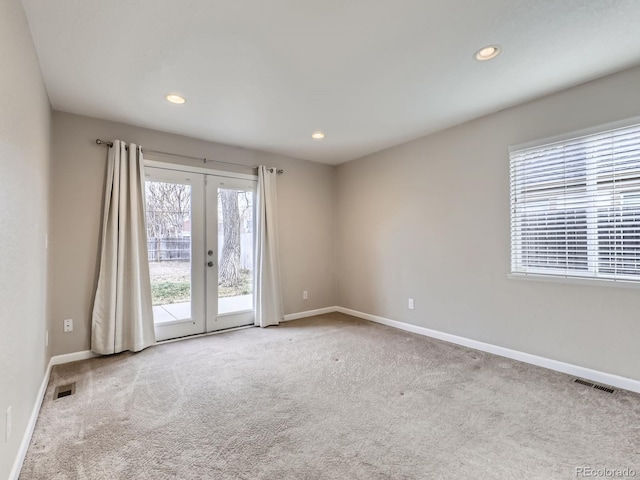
575, 206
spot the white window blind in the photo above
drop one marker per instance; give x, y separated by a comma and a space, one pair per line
575, 207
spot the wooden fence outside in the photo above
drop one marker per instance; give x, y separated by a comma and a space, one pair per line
169, 249
179, 250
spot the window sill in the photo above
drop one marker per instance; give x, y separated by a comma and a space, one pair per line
590, 282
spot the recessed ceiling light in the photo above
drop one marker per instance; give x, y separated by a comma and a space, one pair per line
317, 135
175, 99
487, 53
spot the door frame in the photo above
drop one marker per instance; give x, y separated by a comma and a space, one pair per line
193, 169
207, 320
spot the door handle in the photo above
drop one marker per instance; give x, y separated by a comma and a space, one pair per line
210, 264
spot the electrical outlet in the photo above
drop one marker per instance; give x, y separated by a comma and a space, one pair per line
68, 325
411, 304
305, 295
8, 427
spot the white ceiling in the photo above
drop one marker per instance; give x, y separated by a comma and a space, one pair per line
265, 74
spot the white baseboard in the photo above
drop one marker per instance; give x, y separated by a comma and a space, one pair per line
31, 425
575, 370
72, 357
309, 313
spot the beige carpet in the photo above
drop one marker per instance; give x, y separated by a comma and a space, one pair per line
330, 397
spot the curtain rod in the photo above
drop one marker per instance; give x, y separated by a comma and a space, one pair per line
279, 171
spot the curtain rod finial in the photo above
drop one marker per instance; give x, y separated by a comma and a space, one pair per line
102, 142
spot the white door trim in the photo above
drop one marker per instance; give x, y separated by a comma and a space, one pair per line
191, 169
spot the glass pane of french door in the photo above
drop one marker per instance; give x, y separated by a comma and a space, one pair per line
235, 251
230, 239
174, 221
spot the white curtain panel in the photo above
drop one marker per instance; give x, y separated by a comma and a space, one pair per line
268, 295
122, 312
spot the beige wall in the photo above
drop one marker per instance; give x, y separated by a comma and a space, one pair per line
24, 185
305, 201
430, 220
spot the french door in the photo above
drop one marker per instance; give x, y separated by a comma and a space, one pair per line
200, 231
